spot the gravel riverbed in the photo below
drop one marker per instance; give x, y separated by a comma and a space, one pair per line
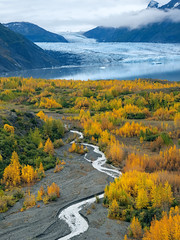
77, 180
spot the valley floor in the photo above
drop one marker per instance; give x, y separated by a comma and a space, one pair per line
77, 180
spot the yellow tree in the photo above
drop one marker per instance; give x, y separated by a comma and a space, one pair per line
142, 200
9, 128
41, 172
73, 147
28, 174
39, 196
40, 145
166, 228
48, 147
42, 116
136, 228
113, 209
125, 237
12, 176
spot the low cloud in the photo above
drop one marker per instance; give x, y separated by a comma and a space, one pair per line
78, 15
141, 18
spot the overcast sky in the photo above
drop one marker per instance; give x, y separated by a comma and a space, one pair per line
79, 15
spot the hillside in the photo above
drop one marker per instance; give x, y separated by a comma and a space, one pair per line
16, 53
63, 142
165, 32
34, 33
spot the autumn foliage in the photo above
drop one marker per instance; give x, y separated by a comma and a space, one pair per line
29, 201
52, 193
59, 165
9, 128
49, 103
77, 148
115, 153
42, 116
139, 190
28, 174
12, 174
15, 174
166, 228
136, 229
53, 190
166, 160
48, 147
134, 129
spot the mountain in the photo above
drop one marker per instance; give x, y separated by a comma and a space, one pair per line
34, 33
173, 4
17, 52
165, 32
153, 4
159, 32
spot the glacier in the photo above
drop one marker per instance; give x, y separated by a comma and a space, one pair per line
111, 60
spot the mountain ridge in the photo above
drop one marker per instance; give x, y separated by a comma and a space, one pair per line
159, 32
34, 33
173, 4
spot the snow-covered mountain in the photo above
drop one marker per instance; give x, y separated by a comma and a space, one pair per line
153, 4
173, 4
164, 5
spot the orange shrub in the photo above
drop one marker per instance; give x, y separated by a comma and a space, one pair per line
115, 153
59, 166
136, 162
167, 160
136, 229
53, 190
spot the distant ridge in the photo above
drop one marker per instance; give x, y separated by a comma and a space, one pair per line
34, 33
165, 32
159, 32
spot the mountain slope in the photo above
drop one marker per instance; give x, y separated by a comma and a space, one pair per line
165, 32
16, 53
34, 33
153, 4
162, 32
173, 4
